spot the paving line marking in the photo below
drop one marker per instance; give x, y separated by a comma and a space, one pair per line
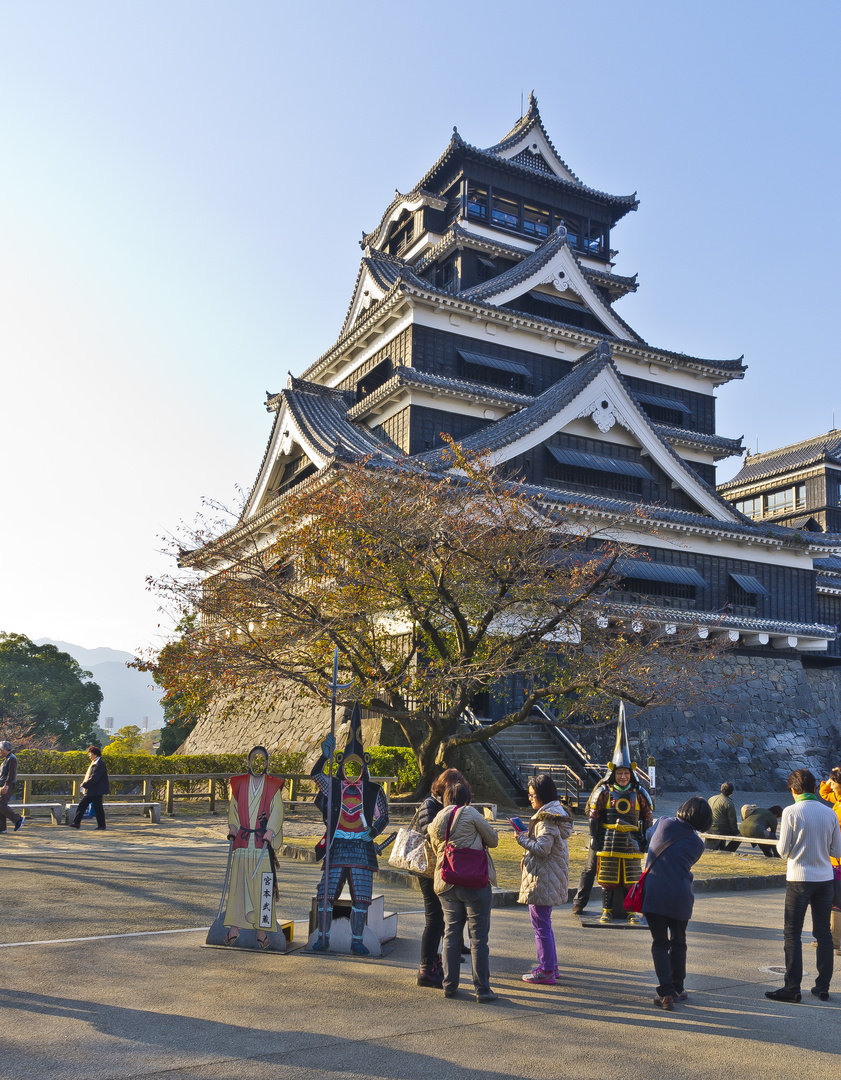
106, 937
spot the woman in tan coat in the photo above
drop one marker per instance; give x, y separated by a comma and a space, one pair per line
468, 829
545, 868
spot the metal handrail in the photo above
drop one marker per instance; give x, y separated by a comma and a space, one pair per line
503, 761
573, 785
592, 770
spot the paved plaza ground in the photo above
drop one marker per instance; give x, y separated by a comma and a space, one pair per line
158, 1005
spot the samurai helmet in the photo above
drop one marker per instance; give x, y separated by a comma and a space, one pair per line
622, 750
353, 746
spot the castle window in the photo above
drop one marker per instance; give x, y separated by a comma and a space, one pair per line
505, 210
493, 370
294, 472
477, 202
745, 591
772, 503
751, 507
597, 238
595, 482
779, 502
485, 269
375, 378
665, 410
597, 473
667, 586
536, 220
445, 275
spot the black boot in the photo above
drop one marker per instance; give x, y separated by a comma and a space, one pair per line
357, 929
322, 943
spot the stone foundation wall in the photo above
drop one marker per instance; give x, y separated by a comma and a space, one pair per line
288, 721
763, 717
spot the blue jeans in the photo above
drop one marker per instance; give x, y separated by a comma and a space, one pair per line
801, 895
472, 906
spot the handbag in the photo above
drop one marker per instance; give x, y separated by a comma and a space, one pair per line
409, 851
467, 867
836, 894
633, 897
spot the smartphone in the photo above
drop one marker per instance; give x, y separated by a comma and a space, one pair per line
518, 824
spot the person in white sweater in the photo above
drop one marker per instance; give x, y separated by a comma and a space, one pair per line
810, 838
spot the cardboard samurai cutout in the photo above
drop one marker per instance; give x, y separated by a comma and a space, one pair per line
359, 812
620, 813
255, 826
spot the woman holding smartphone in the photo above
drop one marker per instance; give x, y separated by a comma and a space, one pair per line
545, 869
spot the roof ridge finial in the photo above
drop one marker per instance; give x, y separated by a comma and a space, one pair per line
532, 100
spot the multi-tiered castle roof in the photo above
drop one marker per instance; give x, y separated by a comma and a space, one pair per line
485, 308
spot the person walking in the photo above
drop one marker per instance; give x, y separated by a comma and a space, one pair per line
831, 792
8, 778
667, 898
462, 826
810, 838
724, 820
94, 786
545, 868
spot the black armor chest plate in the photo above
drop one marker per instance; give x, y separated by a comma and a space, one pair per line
622, 806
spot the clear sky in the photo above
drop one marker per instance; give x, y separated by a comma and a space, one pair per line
184, 185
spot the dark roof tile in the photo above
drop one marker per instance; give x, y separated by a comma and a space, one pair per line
800, 455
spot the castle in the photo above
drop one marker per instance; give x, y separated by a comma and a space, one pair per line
485, 308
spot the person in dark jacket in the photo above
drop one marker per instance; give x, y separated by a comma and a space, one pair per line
431, 971
668, 899
8, 778
724, 820
94, 786
761, 824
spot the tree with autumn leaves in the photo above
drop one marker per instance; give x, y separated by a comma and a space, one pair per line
440, 586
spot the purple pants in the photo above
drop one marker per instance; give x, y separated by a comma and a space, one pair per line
541, 921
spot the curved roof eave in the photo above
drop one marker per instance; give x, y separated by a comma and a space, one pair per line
409, 284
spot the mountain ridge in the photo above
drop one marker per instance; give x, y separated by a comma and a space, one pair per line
127, 694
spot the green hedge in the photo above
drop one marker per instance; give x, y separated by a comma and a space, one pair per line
397, 761
385, 761
77, 761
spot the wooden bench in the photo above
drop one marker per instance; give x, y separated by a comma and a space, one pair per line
758, 840
56, 809
153, 809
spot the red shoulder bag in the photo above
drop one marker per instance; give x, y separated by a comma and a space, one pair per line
463, 866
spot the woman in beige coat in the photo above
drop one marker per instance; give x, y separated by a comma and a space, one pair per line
468, 829
545, 872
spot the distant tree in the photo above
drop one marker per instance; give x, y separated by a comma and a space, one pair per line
183, 703
439, 588
19, 728
45, 696
128, 740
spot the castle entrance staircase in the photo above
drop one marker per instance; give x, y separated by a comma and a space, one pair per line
542, 747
